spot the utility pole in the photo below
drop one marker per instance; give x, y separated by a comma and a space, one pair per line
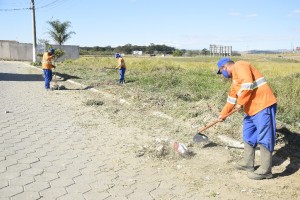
34, 32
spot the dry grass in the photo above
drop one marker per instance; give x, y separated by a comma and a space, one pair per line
188, 89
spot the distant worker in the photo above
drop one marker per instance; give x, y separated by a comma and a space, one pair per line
47, 65
122, 67
250, 91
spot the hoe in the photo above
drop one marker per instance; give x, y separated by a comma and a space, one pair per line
199, 137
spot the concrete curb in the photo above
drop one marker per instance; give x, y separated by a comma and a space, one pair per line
121, 101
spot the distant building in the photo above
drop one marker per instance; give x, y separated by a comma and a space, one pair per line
220, 50
297, 48
138, 53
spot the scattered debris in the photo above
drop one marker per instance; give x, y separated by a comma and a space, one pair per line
123, 101
165, 148
140, 153
179, 147
93, 102
116, 111
159, 148
179, 166
58, 87
230, 142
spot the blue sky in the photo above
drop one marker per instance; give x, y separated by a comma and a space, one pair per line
184, 24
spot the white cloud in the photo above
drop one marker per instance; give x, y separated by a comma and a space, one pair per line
251, 15
296, 12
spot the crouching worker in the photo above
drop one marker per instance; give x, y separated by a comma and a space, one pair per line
250, 91
47, 65
122, 67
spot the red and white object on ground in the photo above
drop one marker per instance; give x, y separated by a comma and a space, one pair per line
179, 148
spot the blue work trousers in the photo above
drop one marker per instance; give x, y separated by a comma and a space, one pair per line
122, 75
261, 128
48, 77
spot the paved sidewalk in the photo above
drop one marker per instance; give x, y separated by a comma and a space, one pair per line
45, 154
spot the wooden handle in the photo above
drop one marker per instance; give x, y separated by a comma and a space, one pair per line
213, 123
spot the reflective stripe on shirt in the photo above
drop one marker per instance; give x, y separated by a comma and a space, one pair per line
251, 86
259, 82
231, 100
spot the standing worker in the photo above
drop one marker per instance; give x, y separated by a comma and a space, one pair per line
47, 65
250, 91
122, 67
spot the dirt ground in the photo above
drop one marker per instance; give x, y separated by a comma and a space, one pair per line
209, 172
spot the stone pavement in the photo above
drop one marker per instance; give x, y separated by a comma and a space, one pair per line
46, 154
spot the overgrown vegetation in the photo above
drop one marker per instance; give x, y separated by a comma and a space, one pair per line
177, 86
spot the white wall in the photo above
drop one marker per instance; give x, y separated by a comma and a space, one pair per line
13, 50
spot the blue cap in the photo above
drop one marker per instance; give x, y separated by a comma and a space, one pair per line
117, 55
51, 50
221, 63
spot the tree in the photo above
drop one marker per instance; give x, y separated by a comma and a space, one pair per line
205, 51
59, 31
177, 52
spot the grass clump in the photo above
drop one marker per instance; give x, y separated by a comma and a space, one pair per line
93, 102
287, 90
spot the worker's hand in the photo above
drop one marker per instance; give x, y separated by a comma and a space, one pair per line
238, 107
220, 119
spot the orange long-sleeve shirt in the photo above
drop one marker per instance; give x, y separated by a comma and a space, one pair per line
47, 61
249, 89
121, 63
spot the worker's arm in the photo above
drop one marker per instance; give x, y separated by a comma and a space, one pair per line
52, 57
231, 101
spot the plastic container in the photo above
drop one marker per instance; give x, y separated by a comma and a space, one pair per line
179, 147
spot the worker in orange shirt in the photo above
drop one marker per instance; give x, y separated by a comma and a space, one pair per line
249, 91
122, 67
47, 66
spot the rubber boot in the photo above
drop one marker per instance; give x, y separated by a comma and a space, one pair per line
265, 170
248, 160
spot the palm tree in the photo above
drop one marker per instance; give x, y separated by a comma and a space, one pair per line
58, 31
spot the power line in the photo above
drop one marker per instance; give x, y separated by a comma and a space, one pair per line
40, 7
14, 9
17, 6
49, 4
